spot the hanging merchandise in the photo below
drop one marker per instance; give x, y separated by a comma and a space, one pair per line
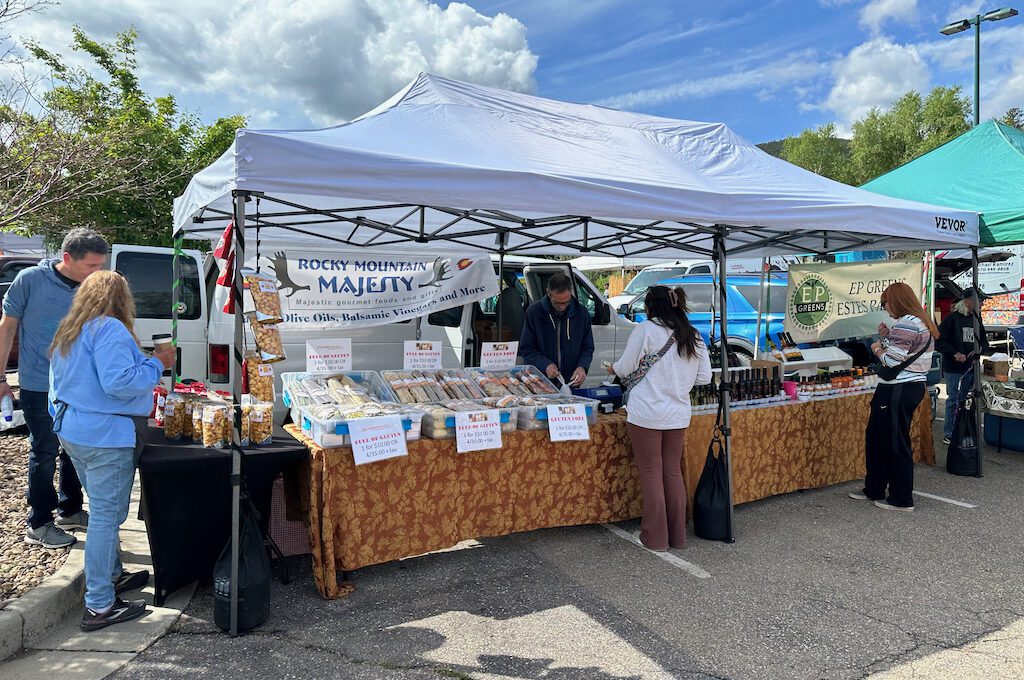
224, 244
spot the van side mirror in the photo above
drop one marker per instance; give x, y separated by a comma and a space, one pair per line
603, 314
624, 309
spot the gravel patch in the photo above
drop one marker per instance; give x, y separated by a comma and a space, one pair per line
22, 566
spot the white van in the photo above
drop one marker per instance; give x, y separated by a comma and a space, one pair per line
206, 333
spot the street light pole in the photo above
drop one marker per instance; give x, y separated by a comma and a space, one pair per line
963, 25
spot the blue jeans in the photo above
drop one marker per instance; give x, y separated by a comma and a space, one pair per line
958, 386
42, 463
107, 474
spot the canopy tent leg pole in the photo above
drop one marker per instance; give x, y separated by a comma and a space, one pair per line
720, 256
760, 305
502, 240
239, 198
976, 363
179, 240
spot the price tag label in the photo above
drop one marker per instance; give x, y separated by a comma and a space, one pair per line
568, 422
267, 287
422, 355
375, 439
265, 370
329, 355
477, 430
498, 356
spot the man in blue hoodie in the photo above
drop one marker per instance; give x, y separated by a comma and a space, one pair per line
33, 307
557, 334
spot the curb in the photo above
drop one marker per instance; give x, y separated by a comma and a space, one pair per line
26, 619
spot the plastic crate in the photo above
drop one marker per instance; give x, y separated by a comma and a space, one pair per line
378, 386
434, 429
334, 432
592, 408
475, 373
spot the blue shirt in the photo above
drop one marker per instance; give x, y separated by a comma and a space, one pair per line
39, 300
104, 378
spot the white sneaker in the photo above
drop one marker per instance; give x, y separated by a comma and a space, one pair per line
885, 505
858, 496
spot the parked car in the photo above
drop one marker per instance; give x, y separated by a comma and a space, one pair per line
742, 293
9, 268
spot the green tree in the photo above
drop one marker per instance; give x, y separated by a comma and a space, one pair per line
1014, 117
913, 126
820, 151
98, 151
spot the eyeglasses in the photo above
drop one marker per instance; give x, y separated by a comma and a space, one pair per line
883, 304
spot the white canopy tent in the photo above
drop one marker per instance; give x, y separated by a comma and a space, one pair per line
453, 166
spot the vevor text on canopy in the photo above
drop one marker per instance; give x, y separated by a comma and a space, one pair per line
450, 162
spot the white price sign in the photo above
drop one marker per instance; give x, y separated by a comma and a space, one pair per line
329, 355
477, 430
568, 422
498, 356
422, 355
375, 439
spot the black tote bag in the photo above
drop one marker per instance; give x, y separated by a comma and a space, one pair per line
962, 455
711, 498
253, 576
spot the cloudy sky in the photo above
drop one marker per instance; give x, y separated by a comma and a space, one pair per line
768, 68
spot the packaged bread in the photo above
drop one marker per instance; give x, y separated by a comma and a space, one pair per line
216, 426
260, 377
175, 417
268, 340
266, 299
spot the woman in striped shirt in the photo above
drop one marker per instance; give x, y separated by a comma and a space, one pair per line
890, 461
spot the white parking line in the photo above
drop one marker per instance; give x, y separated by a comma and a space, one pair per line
944, 499
674, 560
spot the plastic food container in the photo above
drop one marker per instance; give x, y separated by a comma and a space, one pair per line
592, 409
523, 381
334, 432
439, 421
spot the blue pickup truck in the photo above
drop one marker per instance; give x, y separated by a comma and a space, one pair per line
742, 292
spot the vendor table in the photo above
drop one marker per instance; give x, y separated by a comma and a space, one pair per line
433, 498
186, 498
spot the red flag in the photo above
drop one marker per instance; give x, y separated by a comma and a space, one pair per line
227, 274
229, 306
224, 245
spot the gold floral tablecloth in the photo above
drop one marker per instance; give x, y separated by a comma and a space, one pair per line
434, 497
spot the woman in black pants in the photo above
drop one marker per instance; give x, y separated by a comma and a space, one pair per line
889, 458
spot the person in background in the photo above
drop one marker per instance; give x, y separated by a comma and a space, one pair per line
33, 306
957, 343
889, 458
658, 412
557, 334
99, 380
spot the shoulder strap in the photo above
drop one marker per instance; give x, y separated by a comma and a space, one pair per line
906, 362
667, 346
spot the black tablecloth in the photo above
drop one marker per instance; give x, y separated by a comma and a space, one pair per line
186, 497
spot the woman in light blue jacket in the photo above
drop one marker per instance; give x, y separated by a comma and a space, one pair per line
99, 380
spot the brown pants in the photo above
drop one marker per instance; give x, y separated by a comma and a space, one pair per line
659, 456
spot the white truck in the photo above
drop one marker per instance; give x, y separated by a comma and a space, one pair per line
206, 332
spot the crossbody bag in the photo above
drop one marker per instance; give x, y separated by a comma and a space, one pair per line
646, 362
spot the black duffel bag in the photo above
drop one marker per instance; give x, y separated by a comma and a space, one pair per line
962, 455
711, 498
254, 576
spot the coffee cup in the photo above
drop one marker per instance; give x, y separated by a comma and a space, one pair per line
161, 341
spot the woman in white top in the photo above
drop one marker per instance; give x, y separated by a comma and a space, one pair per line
659, 410
888, 455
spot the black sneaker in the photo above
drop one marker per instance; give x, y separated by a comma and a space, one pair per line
120, 612
130, 580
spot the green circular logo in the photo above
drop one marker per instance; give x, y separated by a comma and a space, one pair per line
811, 304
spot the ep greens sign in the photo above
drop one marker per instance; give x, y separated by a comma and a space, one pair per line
830, 301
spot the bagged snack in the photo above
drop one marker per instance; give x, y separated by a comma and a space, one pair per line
174, 416
160, 398
268, 340
260, 377
258, 423
198, 404
265, 297
187, 404
216, 426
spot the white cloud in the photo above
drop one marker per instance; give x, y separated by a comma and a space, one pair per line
965, 11
764, 80
877, 12
1010, 93
329, 59
875, 73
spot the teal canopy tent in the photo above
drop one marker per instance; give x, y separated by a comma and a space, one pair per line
981, 170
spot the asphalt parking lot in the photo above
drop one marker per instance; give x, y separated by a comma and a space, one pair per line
816, 586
